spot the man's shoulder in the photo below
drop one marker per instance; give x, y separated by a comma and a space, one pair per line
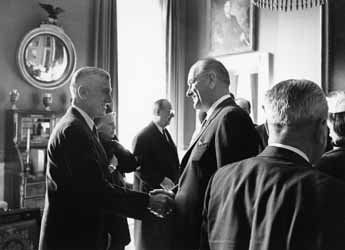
233, 115
69, 124
270, 167
145, 133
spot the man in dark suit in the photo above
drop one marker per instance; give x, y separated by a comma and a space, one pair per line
159, 163
227, 135
276, 200
77, 190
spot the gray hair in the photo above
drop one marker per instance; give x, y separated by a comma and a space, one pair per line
293, 102
211, 64
82, 76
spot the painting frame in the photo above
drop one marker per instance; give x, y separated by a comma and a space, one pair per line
232, 27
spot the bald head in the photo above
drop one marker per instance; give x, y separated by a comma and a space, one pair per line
212, 65
208, 80
162, 112
244, 104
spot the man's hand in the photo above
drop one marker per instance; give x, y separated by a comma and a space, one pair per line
161, 203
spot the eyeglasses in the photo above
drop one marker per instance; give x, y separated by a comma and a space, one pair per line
196, 79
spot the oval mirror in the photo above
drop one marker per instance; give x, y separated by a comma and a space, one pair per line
46, 57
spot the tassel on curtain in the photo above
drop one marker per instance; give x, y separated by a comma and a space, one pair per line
288, 5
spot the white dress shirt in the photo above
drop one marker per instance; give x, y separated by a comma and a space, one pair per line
215, 104
291, 148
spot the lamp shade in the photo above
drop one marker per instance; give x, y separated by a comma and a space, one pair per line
287, 5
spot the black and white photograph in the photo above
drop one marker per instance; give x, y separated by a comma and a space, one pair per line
172, 125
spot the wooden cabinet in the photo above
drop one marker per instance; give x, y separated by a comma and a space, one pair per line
19, 229
27, 135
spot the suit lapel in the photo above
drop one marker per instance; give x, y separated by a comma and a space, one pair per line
162, 138
225, 103
171, 142
96, 142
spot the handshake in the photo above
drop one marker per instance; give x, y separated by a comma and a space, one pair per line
161, 202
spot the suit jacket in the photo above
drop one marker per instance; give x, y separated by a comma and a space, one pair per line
333, 163
156, 156
273, 201
157, 159
77, 190
262, 132
227, 136
126, 160
116, 224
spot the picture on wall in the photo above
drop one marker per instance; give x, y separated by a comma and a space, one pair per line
232, 26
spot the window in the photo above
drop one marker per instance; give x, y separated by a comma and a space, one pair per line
141, 65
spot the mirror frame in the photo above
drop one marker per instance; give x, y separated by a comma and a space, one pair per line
54, 30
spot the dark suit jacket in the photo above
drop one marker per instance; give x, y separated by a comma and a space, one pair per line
117, 224
228, 136
333, 163
126, 160
77, 190
157, 159
273, 201
262, 132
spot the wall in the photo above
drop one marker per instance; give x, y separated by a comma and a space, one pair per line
17, 17
293, 38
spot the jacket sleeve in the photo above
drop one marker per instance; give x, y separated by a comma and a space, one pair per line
204, 243
127, 161
235, 139
80, 175
149, 162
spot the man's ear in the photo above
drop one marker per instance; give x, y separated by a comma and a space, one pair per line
212, 79
320, 132
82, 92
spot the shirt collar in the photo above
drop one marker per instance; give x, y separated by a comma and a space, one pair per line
159, 127
215, 104
293, 149
87, 118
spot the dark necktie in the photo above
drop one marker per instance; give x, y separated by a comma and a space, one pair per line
165, 133
203, 124
94, 131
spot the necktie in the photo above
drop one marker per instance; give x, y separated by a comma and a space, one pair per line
203, 124
165, 133
94, 131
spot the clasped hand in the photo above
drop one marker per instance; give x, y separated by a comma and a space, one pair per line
161, 202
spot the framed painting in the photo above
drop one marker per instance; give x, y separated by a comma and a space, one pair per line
333, 46
232, 27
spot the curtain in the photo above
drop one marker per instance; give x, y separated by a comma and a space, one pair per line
174, 27
105, 43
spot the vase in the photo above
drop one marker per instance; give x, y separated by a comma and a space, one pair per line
47, 100
14, 97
